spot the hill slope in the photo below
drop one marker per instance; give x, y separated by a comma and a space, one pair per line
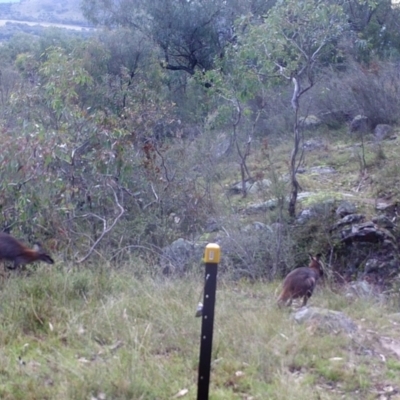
45, 11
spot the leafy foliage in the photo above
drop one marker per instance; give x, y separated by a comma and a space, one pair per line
136, 115
189, 34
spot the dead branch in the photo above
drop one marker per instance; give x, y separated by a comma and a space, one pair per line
105, 229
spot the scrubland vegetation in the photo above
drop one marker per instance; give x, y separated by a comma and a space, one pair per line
125, 331
206, 121
107, 334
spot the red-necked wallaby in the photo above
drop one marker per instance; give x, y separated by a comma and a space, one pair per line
13, 250
301, 282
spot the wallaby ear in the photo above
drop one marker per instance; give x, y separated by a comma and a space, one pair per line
311, 256
317, 257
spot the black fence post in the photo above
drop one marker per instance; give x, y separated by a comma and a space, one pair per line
212, 257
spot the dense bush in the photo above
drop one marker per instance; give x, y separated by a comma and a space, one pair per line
370, 90
103, 143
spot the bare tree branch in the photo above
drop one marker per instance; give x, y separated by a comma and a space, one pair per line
105, 229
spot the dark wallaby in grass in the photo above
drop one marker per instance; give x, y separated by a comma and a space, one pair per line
301, 282
13, 250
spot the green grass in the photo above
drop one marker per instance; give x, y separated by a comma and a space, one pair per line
107, 334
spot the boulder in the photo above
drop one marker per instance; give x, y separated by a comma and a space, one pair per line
384, 222
360, 289
317, 210
367, 232
322, 170
387, 208
259, 186
251, 187
237, 188
310, 122
359, 123
313, 144
345, 208
383, 131
261, 207
256, 226
212, 225
324, 320
223, 147
179, 255
348, 219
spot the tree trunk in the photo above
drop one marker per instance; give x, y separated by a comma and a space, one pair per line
293, 167
293, 172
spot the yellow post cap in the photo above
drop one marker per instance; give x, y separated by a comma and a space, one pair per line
212, 253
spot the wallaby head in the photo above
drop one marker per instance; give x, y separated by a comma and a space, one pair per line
301, 282
13, 250
42, 256
315, 263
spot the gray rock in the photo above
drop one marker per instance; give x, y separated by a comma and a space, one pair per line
305, 216
313, 211
322, 170
316, 211
360, 289
383, 131
305, 195
261, 207
359, 123
237, 188
368, 232
346, 208
310, 122
327, 321
313, 144
223, 147
381, 264
387, 208
212, 225
349, 219
384, 222
335, 119
179, 255
259, 186
256, 226
373, 264
301, 170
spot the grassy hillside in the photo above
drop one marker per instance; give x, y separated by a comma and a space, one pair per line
115, 327
102, 334
343, 154
129, 333
125, 332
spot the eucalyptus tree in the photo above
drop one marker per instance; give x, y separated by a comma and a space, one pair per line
189, 33
294, 41
375, 28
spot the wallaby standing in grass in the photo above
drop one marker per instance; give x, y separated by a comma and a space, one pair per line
13, 250
301, 282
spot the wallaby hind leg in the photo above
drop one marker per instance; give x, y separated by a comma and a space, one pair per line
306, 297
3, 273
